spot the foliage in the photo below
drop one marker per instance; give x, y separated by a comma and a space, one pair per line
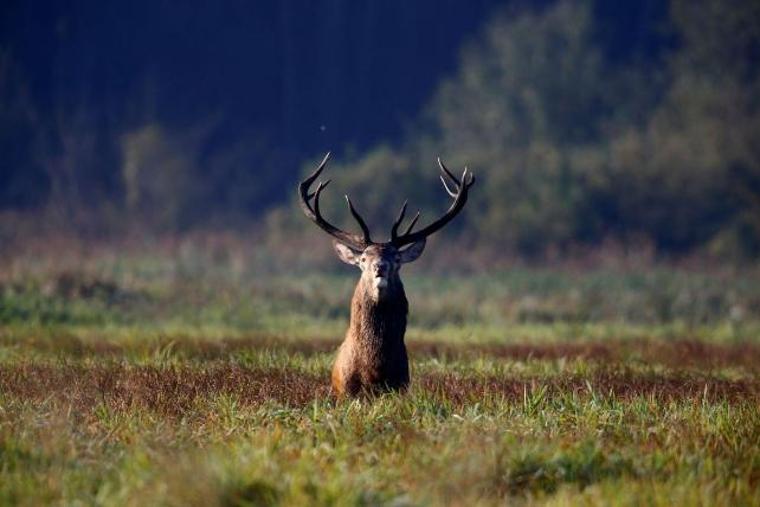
573, 148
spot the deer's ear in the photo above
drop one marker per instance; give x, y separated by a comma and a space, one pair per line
413, 252
347, 254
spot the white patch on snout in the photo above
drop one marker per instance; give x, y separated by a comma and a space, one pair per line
378, 284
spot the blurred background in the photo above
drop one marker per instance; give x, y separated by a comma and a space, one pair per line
593, 126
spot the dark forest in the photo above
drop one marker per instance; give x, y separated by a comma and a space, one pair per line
587, 122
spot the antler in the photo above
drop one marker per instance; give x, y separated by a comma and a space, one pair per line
353, 240
460, 193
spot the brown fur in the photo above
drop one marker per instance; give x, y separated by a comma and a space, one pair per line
373, 358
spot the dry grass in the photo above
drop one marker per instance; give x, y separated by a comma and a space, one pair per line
680, 353
178, 391
167, 391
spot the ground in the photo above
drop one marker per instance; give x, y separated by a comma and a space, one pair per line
194, 379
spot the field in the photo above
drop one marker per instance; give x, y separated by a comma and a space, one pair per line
191, 376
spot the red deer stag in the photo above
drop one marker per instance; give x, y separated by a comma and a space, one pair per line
372, 357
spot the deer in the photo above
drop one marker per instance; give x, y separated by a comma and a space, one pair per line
372, 359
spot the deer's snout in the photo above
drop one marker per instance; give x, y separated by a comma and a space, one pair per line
381, 269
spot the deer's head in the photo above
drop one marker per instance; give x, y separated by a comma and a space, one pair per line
380, 262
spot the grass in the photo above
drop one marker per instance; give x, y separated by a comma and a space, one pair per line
150, 379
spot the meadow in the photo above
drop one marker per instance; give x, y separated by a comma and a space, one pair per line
197, 375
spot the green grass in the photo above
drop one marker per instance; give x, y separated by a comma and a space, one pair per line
148, 380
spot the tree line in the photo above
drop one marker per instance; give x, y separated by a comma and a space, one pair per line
573, 148
575, 143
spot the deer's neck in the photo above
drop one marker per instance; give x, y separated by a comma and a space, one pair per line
378, 317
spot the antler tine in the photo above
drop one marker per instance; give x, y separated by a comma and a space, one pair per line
322, 184
315, 216
460, 198
360, 220
397, 223
313, 176
447, 172
448, 190
411, 225
472, 178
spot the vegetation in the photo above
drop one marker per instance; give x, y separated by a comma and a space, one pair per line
193, 368
579, 139
577, 148
177, 375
